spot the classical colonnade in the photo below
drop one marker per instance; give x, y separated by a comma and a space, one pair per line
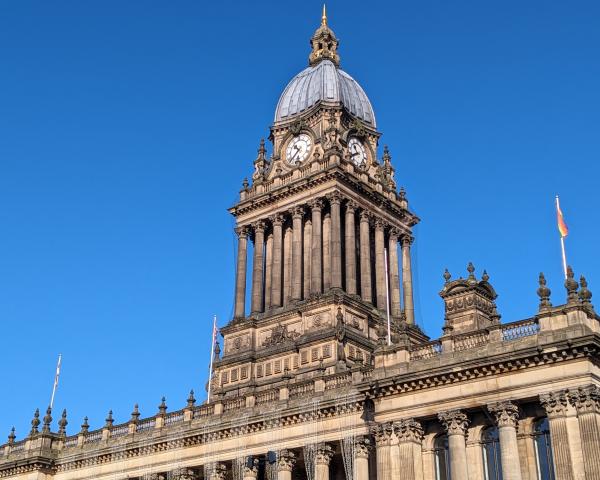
407, 448
329, 243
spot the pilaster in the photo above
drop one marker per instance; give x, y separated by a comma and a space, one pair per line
410, 437
350, 251
383, 436
362, 446
586, 400
316, 285
556, 406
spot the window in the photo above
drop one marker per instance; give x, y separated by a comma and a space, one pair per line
277, 367
543, 449
234, 375
442, 461
327, 351
244, 373
259, 371
490, 443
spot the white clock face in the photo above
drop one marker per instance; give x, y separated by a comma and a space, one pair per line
298, 149
357, 151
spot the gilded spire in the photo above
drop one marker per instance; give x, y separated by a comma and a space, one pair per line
324, 44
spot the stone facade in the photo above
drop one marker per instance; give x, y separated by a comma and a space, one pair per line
312, 383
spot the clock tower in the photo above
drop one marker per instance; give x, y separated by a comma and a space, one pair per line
330, 238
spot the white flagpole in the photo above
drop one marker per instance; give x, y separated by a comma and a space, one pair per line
212, 354
562, 242
55, 380
387, 298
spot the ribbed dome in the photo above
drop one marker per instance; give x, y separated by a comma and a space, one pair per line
324, 82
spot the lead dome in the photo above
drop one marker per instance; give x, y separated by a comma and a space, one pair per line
324, 81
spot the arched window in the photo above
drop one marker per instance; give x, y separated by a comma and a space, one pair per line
442, 462
492, 466
543, 449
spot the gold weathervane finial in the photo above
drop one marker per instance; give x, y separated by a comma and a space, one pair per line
324, 16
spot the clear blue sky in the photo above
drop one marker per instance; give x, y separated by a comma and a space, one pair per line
126, 129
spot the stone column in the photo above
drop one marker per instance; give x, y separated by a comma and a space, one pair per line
297, 214
307, 257
286, 459
587, 402
455, 423
383, 437
276, 264
336, 240
507, 416
316, 284
410, 436
396, 308
362, 445
287, 266
240, 274
258, 266
268, 270
555, 404
350, 256
409, 308
251, 472
380, 263
326, 252
323, 457
366, 291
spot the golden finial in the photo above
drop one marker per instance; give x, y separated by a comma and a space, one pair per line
324, 17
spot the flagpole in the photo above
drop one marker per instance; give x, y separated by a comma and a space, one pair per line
55, 380
562, 242
212, 355
387, 298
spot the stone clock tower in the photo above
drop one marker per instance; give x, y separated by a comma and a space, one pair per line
331, 238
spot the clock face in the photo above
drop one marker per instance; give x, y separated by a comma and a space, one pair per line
298, 149
357, 151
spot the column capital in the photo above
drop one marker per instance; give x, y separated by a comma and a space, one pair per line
366, 216
316, 204
286, 459
351, 206
380, 223
362, 446
454, 422
334, 197
259, 225
217, 471
242, 231
183, 474
408, 430
407, 240
585, 399
251, 471
506, 413
324, 454
555, 403
382, 433
276, 219
297, 212
395, 233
